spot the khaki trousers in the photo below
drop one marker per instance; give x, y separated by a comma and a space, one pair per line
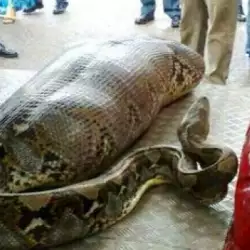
211, 23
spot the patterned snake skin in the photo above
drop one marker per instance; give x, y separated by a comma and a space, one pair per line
62, 132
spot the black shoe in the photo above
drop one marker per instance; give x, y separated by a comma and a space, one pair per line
241, 17
60, 8
7, 53
144, 19
39, 5
175, 22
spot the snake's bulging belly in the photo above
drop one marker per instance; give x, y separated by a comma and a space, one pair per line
73, 119
69, 144
71, 122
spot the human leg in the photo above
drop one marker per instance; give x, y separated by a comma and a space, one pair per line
193, 25
172, 9
33, 7
147, 12
220, 38
61, 6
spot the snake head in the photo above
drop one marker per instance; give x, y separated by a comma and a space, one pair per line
211, 179
214, 166
194, 127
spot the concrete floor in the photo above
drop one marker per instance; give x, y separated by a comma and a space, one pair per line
41, 36
175, 222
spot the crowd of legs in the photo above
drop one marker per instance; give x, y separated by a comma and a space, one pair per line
27, 6
170, 7
206, 26
60, 6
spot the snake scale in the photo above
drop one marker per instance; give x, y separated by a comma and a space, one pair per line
62, 134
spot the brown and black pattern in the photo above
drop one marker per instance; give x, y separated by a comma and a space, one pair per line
62, 133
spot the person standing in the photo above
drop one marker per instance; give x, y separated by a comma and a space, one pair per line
60, 7
218, 34
171, 8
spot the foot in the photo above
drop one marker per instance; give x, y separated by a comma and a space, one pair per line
241, 18
144, 19
175, 22
10, 16
38, 5
7, 53
60, 8
215, 79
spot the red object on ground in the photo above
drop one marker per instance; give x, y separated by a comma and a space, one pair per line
238, 237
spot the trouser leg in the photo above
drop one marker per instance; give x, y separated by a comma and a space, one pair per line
61, 1
148, 7
220, 38
172, 8
147, 12
61, 6
193, 26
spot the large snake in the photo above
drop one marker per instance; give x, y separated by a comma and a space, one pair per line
53, 194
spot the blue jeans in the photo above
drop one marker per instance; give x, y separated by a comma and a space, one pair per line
17, 4
248, 29
171, 7
61, 2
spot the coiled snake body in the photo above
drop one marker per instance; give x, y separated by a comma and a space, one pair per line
62, 130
